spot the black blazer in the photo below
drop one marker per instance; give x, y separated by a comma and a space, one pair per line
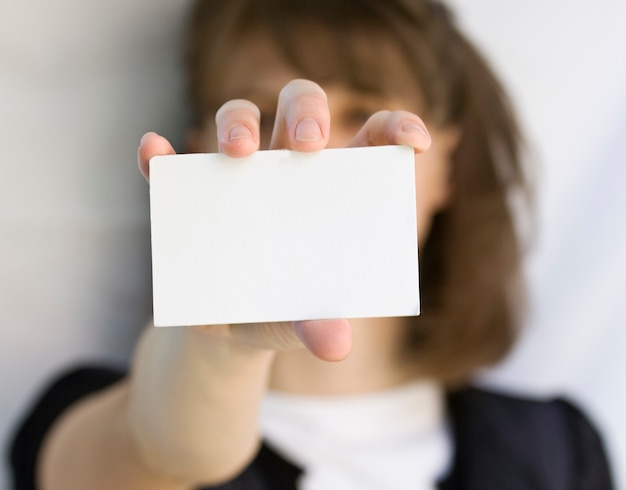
500, 442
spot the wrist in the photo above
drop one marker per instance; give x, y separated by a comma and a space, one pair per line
194, 401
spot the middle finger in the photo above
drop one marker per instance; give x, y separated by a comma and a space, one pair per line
302, 117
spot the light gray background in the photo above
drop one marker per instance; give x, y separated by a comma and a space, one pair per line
81, 81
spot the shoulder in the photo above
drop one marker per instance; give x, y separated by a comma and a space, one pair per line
60, 393
547, 419
498, 407
549, 442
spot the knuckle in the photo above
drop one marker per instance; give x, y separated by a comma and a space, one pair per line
378, 117
302, 88
237, 108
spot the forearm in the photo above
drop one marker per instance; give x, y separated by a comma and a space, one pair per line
197, 418
182, 420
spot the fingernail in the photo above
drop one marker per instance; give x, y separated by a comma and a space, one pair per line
413, 128
239, 132
308, 130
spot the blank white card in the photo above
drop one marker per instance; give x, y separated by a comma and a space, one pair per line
282, 235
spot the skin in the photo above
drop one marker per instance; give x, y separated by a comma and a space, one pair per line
187, 415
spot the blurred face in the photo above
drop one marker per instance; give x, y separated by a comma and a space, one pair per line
257, 71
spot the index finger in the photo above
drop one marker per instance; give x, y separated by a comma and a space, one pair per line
151, 145
393, 128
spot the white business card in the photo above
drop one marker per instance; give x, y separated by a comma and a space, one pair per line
283, 235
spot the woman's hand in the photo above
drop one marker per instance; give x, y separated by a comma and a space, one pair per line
302, 123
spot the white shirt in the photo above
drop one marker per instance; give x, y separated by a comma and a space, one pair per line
395, 439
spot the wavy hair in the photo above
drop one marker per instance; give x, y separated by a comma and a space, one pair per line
470, 263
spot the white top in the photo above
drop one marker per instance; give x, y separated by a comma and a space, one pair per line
395, 439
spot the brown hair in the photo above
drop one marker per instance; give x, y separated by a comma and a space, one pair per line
470, 264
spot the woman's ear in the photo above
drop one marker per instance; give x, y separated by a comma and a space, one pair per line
445, 141
433, 177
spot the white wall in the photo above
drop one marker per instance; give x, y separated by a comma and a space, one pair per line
565, 62
79, 83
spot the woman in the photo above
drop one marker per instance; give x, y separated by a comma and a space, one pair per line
270, 405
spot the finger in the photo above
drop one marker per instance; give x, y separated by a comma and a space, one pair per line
302, 117
329, 340
238, 128
151, 145
393, 128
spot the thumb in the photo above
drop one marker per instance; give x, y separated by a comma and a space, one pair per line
329, 340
